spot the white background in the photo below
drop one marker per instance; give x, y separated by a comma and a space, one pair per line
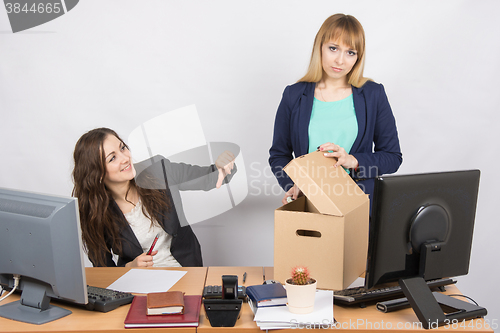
119, 63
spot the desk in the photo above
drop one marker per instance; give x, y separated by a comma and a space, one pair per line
369, 319
348, 318
82, 320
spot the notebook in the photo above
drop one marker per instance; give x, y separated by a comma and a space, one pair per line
267, 294
167, 302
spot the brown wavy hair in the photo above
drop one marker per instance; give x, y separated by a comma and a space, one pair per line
101, 225
349, 31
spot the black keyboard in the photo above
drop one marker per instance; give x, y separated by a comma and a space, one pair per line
359, 295
104, 300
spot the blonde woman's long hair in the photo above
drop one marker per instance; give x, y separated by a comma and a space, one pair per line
348, 30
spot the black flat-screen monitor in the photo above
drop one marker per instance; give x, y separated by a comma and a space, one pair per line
40, 241
421, 229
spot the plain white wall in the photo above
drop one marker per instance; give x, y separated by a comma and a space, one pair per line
118, 63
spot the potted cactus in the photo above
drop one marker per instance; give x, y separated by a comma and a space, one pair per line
300, 291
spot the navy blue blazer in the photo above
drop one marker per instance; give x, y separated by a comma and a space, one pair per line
376, 146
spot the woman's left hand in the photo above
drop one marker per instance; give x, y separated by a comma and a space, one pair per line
343, 158
225, 164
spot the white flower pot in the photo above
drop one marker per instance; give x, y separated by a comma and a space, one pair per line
300, 298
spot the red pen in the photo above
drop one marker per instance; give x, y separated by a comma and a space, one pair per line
152, 245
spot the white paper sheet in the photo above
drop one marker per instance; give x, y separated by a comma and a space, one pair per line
143, 281
323, 312
359, 282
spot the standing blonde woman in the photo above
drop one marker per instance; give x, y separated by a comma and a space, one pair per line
334, 109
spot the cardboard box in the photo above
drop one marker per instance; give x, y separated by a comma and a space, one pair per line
325, 230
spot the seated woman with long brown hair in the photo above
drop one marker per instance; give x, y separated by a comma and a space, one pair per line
121, 216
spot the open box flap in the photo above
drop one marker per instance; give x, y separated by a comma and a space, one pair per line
330, 189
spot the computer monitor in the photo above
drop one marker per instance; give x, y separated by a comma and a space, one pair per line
40, 240
421, 229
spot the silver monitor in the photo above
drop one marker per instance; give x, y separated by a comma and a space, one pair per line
40, 240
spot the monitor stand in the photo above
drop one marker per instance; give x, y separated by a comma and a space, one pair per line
430, 306
34, 307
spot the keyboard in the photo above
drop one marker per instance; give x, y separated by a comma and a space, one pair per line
104, 300
359, 295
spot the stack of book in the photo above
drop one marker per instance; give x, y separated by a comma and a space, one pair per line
279, 317
168, 309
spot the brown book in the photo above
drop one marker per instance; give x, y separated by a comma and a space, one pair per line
168, 302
